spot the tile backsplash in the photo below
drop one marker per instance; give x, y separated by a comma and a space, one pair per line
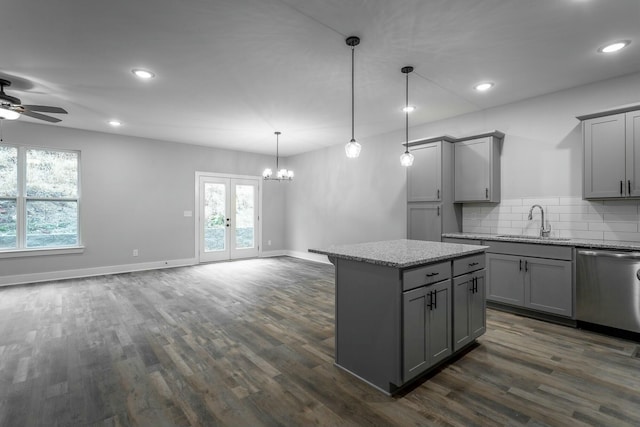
572, 217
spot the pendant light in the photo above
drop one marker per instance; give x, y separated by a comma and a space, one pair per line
352, 148
281, 174
406, 159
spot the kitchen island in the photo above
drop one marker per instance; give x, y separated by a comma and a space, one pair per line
403, 307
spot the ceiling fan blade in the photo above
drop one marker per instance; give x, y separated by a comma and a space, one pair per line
41, 116
45, 109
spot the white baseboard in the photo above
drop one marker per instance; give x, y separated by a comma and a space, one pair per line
20, 279
268, 254
309, 256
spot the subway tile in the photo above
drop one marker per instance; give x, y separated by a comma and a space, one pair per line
548, 201
576, 201
614, 226
620, 217
511, 202
572, 226
479, 230
573, 209
622, 207
622, 236
580, 234
575, 217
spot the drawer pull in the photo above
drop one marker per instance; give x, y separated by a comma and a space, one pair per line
432, 274
471, 264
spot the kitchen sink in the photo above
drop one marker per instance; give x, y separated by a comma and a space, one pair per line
527, 237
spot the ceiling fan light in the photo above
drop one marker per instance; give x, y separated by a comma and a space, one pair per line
352, 149
8, 114
406, 159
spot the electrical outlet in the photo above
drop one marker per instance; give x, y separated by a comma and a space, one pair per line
269, 243
135, 252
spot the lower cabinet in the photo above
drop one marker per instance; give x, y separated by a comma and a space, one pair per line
426, 327
469, 319
536, 283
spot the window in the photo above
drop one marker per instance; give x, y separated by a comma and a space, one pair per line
39, 198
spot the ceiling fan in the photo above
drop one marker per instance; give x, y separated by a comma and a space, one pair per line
10, 105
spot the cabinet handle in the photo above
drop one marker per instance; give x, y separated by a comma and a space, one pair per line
471, 264
432, 274
438, 194
475, 285
621, 188
430, 305
526, 265
435, 300
629, 187
486, 193
520, 265
438, 210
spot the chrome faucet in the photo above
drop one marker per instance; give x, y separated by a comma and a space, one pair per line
544, 232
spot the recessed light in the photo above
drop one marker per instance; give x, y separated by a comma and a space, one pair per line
481, 87
409, 109
615, 46
143, 74
115, 123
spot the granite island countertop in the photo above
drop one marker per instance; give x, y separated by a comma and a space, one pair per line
576, 243
402, 253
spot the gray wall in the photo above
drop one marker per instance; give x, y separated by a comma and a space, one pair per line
134, 194
349, 201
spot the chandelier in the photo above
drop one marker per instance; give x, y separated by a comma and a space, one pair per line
281, 174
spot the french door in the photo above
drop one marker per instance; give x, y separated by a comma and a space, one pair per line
228, 226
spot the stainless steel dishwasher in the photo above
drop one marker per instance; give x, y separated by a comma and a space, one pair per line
608, 288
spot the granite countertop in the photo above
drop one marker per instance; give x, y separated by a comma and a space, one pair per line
576, 243
401, 253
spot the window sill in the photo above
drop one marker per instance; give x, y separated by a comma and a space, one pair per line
20, 253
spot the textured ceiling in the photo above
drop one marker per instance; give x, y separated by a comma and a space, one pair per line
231, 72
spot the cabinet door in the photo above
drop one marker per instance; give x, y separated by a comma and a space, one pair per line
424, 221
604, 156
632, 120
414, 327
478, 307
505, 281
424, 177
548, 286
439, 322
472, 170
462, 288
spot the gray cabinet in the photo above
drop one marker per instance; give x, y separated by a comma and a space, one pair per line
469, 306
426, 327
611, 155
430, 207
477, 169
424, 177
540, 284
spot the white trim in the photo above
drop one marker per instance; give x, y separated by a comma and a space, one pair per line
19, 253
269, 254
20, 279
309, 256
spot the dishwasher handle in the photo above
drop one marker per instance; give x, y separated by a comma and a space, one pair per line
610, 254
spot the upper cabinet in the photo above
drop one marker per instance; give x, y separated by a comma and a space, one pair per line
611, 153
424, 178
477, 168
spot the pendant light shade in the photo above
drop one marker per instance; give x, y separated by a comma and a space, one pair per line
352, 148
281, 174
406, 159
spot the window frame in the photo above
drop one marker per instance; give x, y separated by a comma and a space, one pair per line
21, 207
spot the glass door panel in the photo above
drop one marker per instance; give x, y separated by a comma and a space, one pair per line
228, 218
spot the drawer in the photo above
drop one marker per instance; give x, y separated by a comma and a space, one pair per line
428, 274
468, 264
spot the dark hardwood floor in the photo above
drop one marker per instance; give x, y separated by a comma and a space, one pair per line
250, 343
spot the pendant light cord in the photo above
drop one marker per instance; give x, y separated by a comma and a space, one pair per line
406, 114
352, 94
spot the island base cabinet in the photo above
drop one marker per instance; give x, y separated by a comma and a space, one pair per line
426, 327
469, 308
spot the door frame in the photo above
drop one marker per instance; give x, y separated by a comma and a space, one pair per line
196, 225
